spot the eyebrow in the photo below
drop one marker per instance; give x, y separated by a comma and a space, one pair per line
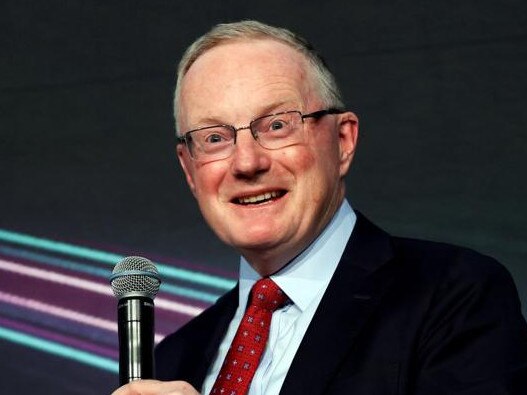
269, 109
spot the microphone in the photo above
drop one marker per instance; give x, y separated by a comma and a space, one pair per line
135, 282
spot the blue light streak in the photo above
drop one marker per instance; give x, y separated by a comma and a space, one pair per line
110, 258
60, 350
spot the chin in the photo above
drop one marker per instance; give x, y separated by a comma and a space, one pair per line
254, 241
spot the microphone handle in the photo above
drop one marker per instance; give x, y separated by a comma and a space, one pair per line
135, 317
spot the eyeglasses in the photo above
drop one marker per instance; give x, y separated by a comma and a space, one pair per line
273, 131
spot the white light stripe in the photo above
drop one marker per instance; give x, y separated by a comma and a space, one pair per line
91, 286
61, 312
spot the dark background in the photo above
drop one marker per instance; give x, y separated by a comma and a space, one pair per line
87, 137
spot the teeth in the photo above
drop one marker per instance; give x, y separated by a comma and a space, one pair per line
258, 198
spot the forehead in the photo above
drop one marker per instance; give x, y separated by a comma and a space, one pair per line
243, 77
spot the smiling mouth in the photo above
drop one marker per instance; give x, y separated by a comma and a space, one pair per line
261, 198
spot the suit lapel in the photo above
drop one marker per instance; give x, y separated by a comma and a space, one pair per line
207, 343
353, 294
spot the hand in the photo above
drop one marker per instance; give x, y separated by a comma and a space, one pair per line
155, 387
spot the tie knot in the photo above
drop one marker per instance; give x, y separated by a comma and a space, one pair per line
265, 294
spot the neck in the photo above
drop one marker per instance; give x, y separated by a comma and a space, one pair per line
267, 261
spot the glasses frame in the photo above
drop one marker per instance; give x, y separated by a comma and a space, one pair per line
187, 137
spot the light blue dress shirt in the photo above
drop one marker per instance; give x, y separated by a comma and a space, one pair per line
304, 280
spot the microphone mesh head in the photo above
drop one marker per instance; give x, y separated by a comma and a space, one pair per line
135, 276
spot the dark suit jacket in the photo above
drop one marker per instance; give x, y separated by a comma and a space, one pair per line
400, 316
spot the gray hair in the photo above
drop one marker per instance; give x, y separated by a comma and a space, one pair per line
253, 30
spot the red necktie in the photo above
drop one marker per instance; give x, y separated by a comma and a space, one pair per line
249, 342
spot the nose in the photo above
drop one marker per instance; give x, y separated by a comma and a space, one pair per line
249, 159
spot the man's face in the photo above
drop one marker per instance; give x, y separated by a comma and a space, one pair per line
297, 188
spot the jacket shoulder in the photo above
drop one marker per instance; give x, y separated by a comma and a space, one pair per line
447, 261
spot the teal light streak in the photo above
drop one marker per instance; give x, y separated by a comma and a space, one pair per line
58, 349
189, 293
56, 262
104, 273
110, 258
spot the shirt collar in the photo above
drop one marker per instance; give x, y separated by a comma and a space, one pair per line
310, 272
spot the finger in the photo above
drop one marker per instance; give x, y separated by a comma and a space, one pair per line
155, 387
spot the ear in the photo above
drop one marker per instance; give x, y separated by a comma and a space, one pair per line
186, 164
348, 127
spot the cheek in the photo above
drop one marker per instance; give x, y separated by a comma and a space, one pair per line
315, 165
321, 178
207, 179
298, 159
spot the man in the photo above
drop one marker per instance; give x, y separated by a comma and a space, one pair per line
363, 312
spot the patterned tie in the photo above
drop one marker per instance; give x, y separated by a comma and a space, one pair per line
249, 342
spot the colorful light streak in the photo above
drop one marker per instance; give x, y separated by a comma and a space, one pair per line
63, 313
81, 336
53, 336
102, 273
90, 286
58, 349
111, 258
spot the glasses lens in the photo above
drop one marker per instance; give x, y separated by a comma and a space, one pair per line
211, 143
278, 130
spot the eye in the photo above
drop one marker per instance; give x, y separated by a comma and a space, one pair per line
277, 124
214, 138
